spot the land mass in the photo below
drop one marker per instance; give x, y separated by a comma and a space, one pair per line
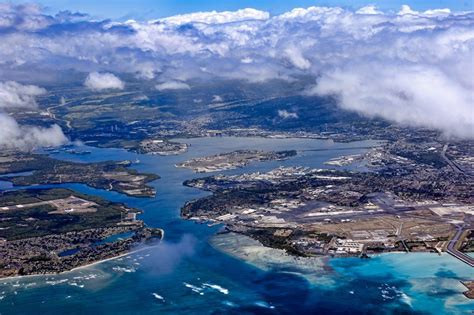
470, 289
233, 160
25, 169
161, 147
54, 230
411, 199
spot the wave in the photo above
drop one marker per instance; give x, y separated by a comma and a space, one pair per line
264, 304
194, 288
216, 287
206, 286
406, 299
229, 303
157, 296
123, 269
54, 282
86, 277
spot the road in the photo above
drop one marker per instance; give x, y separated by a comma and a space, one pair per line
51, 114
453, 250
385, 206
23, 206
453, 165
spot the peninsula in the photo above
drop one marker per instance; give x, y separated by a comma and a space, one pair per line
233, 160
55, 230
25, 169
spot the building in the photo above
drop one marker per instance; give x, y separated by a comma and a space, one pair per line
348, 247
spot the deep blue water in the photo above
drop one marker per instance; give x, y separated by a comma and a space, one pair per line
185, 275
69, 252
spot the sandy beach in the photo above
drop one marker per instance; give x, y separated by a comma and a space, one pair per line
80, 267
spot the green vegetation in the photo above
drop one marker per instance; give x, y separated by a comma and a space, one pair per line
38, 221
108, 175
433, 159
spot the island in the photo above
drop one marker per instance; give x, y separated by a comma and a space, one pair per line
161, 147
45, 231
25, 169
233, 160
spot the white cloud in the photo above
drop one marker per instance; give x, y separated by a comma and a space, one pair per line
172, 85
103, 81
217, 17
217, 99
297, 58
15, 136
412, 95
371, 9
284, 114
24, 17
405, 9
141, 98
14, 95
326, 45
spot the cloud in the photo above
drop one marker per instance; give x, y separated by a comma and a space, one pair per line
411, 95
167, 255
320, 47
214, 17
15, 136
297, 59
15, 96
371, 9
284, 114
405, 9
140, 98
103, 81
23, 17
172, 85
217, 99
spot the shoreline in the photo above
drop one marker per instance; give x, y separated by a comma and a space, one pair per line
236, 236
79, 267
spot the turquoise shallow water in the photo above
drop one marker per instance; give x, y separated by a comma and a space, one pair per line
186, 275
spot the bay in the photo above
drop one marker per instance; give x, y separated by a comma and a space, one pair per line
188, 274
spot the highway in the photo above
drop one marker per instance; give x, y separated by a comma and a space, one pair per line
452, 248
453, 165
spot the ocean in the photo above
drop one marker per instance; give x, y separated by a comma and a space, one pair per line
196, 271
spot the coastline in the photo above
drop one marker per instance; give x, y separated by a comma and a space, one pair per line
171, 286
80, 267
255, 243
121, 255
251, 251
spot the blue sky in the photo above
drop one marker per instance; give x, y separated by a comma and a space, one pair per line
149, 9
